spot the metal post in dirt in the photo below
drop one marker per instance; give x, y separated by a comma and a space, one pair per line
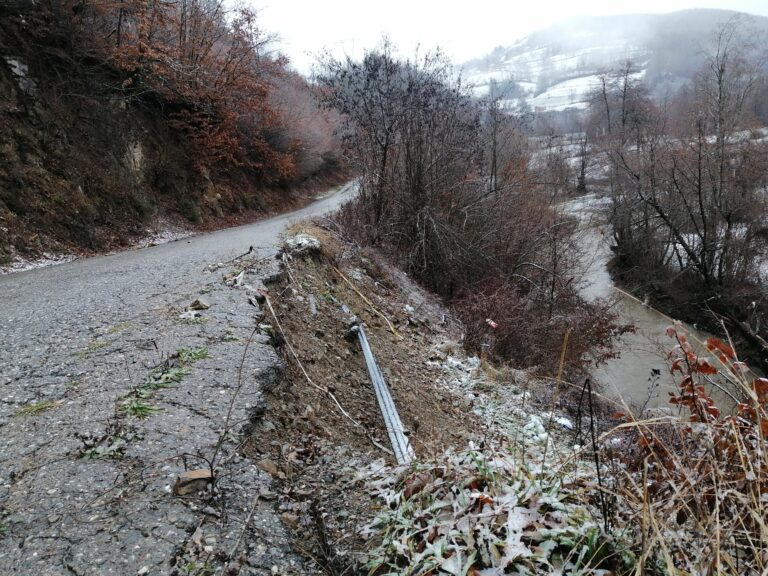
401, 446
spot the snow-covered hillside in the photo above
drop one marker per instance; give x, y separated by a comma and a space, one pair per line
556, 68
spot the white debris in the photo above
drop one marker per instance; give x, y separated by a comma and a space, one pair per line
20, 71
237, 281
564, 422
300, 244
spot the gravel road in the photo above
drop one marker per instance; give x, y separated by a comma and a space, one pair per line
92, 444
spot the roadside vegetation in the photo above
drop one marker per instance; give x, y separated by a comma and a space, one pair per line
687, 181
511, 476
451, 188
457, 193
117, 115
676, 494
35, 408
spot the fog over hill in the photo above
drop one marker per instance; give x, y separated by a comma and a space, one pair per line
554, 69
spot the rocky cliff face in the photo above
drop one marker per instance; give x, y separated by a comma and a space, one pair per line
78, 169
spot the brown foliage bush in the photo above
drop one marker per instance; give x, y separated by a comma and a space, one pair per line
211, 72
694, 485
521, 331
208, 68
496, 247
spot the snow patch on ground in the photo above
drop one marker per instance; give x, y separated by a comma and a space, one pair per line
162, 237
569, 94
152, 238
507, 407
22, 264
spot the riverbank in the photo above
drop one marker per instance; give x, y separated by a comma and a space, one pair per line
639, 377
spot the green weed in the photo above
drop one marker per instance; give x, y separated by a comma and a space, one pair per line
118, 327
228, 336
92, 347
136, 408
189, 355
136, 404
165, 377
35, 408
109, 451
197, 568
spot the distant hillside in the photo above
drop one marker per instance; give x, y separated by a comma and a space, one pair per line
553, 69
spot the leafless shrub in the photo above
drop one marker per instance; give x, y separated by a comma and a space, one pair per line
449, 187
687, 187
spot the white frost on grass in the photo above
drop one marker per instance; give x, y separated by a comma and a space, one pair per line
486, 509
496, 507
466, 365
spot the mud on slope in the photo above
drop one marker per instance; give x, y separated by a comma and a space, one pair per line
303, 439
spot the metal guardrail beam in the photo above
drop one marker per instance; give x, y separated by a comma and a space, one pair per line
401, 446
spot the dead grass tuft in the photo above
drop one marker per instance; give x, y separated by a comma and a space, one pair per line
694, 485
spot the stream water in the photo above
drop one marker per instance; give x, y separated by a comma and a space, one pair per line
640, 375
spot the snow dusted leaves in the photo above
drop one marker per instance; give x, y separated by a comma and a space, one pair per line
475, 512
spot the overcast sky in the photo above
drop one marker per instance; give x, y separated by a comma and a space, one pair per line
464, 30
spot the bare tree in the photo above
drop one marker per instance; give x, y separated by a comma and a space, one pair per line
448, 186
688, 184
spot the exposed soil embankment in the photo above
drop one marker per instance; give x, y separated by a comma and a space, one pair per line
322, 423
88, 165
321, 434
